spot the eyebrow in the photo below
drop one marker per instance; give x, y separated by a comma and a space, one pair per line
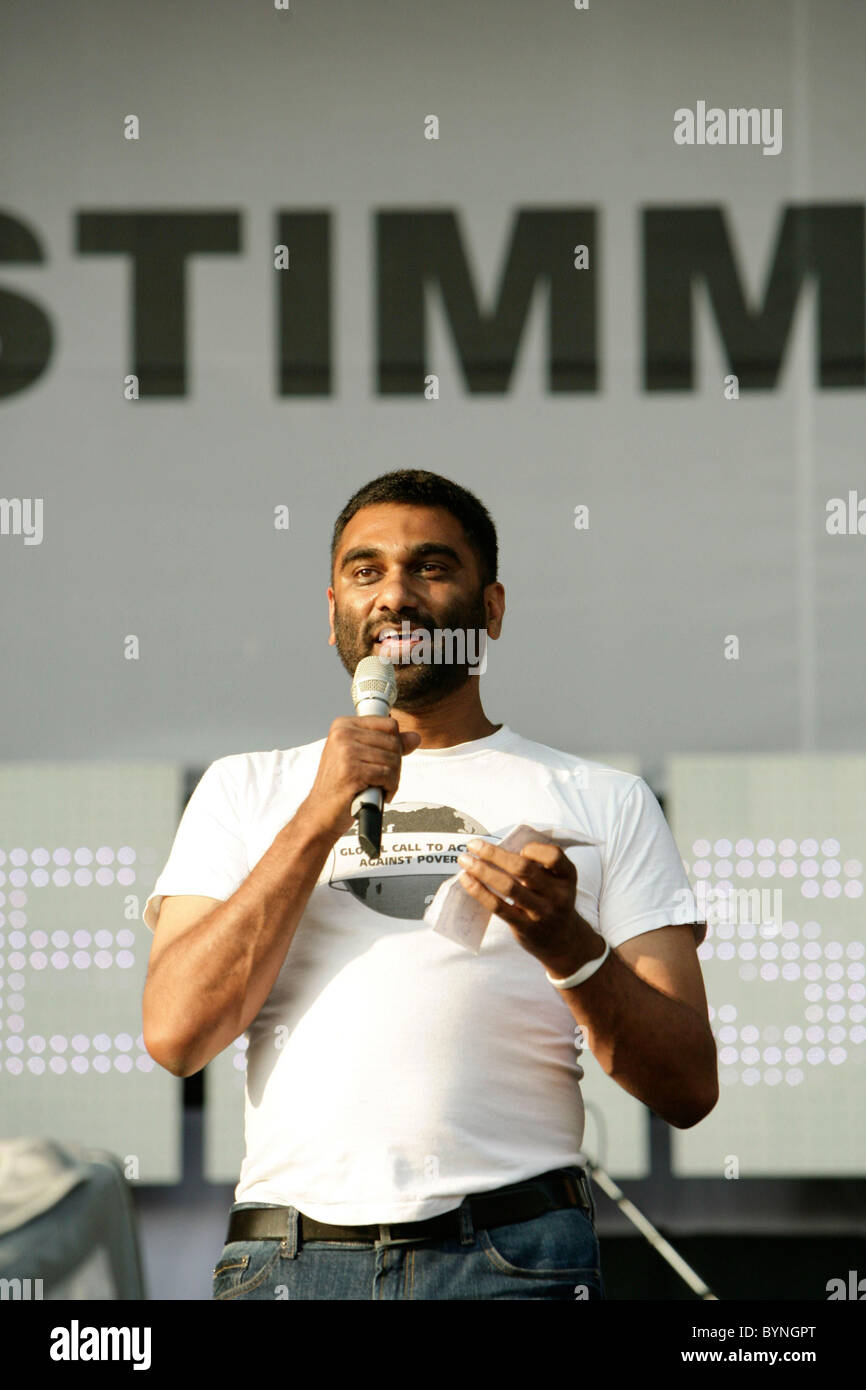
416, 552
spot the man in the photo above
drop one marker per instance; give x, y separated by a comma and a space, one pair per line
413, 1112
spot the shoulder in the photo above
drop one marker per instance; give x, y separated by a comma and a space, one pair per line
250, 767
250, 778
600, 781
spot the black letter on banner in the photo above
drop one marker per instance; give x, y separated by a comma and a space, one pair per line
417, 248
26, 339
304, 300
159, 243
682, 245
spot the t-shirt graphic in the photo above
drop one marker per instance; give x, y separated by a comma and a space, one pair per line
420, 845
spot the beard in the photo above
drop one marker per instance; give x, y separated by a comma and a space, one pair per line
421, 685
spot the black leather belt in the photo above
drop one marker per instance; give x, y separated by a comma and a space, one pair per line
503, 1207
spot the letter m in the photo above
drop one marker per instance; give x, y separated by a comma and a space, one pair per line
419, 249
746, 905
10, 1288
10, 516
683, 246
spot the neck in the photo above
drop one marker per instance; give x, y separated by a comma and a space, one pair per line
456, 718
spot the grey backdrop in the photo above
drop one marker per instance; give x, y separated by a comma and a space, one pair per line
707, 516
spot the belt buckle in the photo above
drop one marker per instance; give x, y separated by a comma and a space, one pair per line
386, 1238
583, 1190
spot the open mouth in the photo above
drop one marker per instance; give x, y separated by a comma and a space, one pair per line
393, 642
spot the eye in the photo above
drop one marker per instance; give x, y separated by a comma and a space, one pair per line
426, 565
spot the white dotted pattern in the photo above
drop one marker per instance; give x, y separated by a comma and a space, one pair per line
36, 1054
832, 972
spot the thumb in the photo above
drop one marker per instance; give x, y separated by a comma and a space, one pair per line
410, 739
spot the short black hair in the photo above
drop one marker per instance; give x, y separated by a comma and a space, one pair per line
418, 488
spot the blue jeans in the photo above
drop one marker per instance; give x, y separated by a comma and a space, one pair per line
553, 1256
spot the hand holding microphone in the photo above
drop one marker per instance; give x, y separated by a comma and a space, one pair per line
374, 691
359, 770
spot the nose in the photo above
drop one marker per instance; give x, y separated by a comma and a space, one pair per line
396, 591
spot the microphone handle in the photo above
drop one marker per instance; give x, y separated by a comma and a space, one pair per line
370, 829
367, 805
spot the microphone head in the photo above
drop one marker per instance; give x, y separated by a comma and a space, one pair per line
374, 680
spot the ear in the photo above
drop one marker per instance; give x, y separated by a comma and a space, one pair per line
494, 599
331, 637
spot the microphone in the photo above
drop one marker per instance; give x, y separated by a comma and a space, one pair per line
374, 690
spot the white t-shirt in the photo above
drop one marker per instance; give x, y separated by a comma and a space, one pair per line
390, 1072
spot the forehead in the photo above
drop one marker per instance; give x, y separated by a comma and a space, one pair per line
393, 527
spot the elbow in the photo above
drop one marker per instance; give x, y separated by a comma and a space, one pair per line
165, 1059
166, 1055
701, 1104
166, 1050
694, 1117
704, 1091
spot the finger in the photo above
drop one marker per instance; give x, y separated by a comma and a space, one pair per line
522, 869
375, 775
551, 857
505, 886
377, 759
517, 865
384, 723
373, 739
498, 879
509, 912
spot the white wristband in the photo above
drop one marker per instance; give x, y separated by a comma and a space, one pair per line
583, 973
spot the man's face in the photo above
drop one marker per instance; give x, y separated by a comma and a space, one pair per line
400, 564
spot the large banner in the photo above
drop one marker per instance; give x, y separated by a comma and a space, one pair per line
604, 264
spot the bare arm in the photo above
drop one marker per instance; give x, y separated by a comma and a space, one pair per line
210, 974
645, 1016
644, 1009
207, 981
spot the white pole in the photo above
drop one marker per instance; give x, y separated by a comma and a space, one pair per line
646, 1228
